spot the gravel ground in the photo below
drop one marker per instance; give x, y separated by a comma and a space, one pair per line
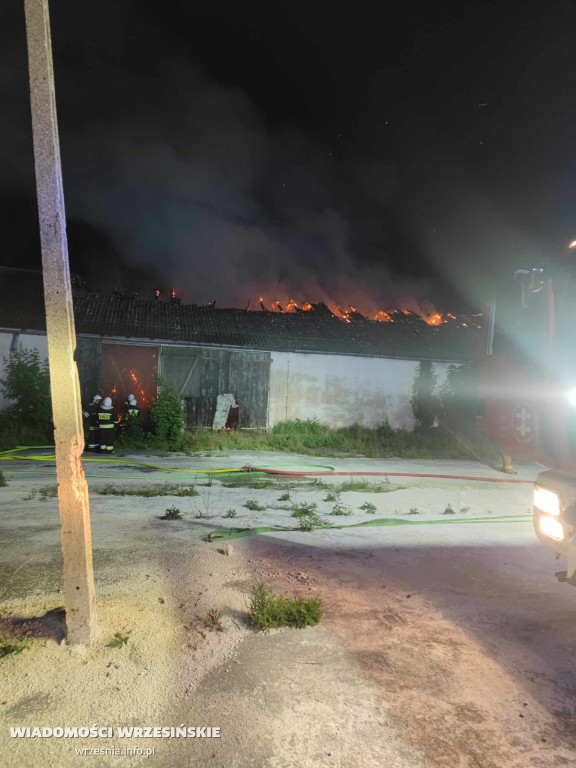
441, 645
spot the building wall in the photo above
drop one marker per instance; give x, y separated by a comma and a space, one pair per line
10, 341
340, 390
334, 389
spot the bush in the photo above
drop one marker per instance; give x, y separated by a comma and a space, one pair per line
27, 384
268, 610
167, 413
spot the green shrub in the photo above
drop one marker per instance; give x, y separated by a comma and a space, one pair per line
27, 384
230, 513
3, 482
167, 414
268, 610
369, 508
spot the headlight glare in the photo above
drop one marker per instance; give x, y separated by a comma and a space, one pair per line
549, 526
547, 501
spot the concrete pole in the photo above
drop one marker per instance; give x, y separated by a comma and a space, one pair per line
66, 406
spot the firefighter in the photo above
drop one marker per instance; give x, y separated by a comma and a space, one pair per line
108, 424
133, 409
91, 417
129, 407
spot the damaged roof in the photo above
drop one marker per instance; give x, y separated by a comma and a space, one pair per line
318, 330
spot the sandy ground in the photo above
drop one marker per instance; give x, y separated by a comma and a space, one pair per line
441, 645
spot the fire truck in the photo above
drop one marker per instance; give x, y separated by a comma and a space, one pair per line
527, 384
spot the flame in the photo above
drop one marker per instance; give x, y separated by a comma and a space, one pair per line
157, 293
173, 293
136, 381
428, 313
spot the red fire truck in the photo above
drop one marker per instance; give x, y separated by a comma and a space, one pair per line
527, 383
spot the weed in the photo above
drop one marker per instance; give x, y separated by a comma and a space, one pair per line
284, 497
148, 491
369, 508
119, 640
331, 497
213, 620
49, 492
304, 510
31, 496
464, 509
200, 515
246, 480
340, 509
309, 522
172, 513
230, 513
10, 645
3, 482
254, 506
413, 511
268, 610
367, 486
448, 510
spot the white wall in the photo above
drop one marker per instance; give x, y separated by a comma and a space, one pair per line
340, 390
25, 341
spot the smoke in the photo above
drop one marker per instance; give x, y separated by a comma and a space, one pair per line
172, 177
228, 208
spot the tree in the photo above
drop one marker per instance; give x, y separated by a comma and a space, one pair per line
27, 384
459, 396
424, 399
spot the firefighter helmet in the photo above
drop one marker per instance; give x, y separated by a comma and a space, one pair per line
107, 403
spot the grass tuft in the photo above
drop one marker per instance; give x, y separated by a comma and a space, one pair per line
448, 510
369, 508
254, 506
268, 610
3, 481
9, 645
230, 513
48, 492
213, 620
148, 491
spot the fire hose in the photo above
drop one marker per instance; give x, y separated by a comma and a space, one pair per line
326, 471
270, 469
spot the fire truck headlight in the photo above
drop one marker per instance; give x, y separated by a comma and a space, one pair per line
549, 526
547, 501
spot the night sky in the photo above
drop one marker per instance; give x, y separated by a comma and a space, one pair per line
375, 154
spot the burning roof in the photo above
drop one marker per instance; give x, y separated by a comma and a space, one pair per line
271, 325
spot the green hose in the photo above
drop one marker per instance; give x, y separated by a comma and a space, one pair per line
238, 533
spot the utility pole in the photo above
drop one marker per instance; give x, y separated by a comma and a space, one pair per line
65, 389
